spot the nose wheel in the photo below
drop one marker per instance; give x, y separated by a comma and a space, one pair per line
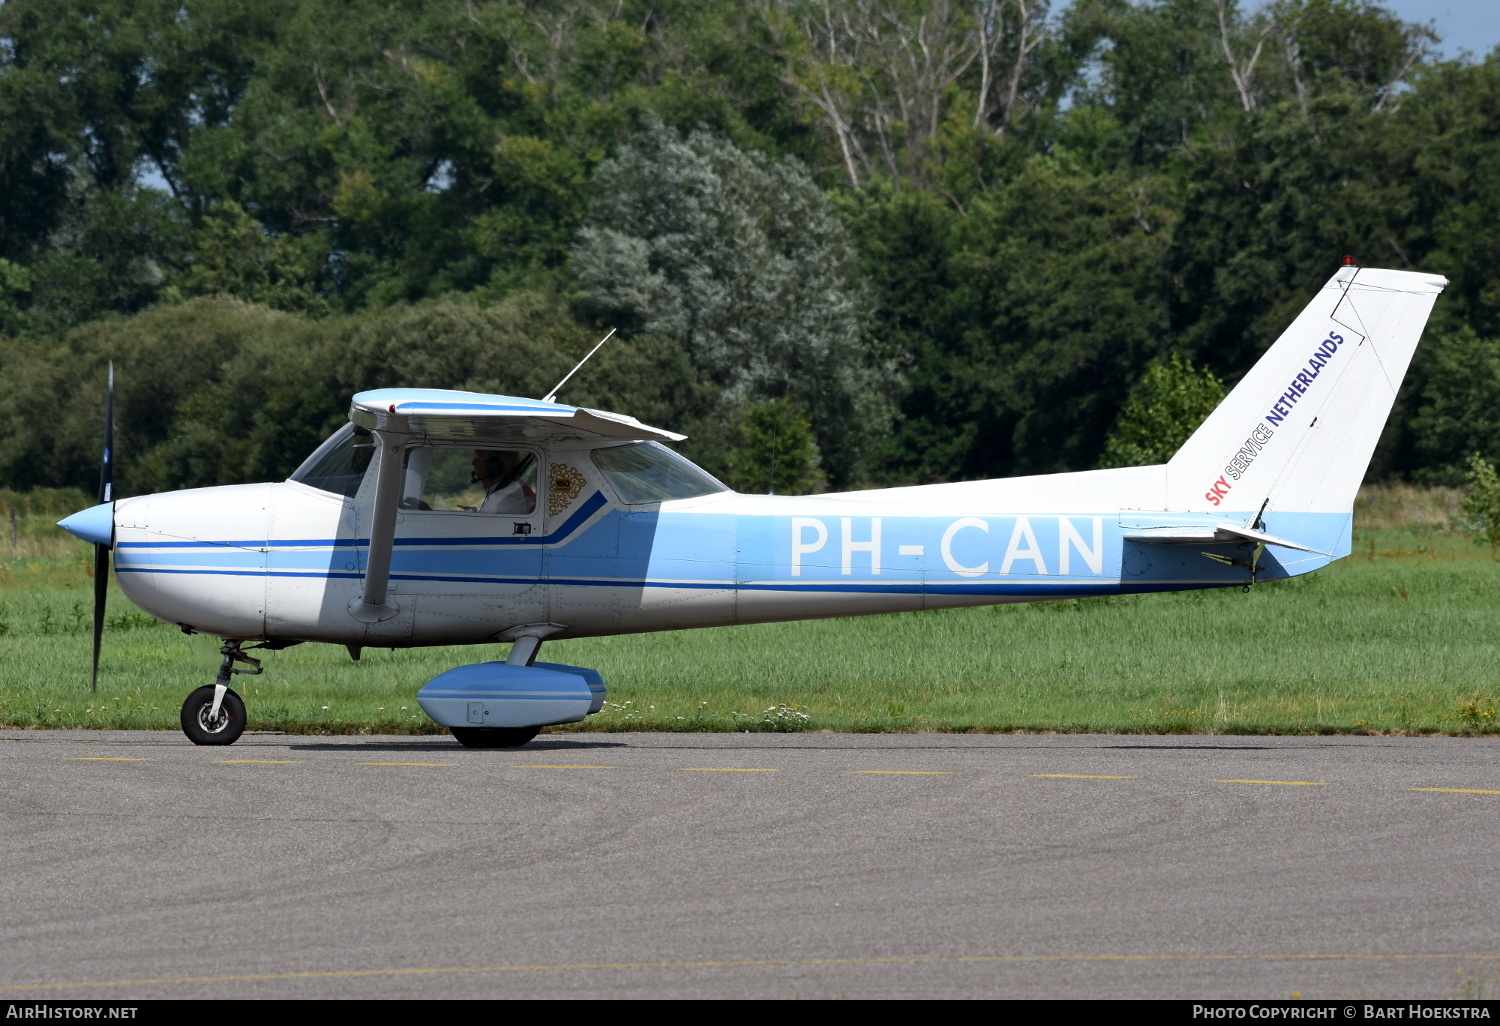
215, 715
205, 725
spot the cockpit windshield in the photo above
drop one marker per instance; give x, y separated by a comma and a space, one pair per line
650, 472
339, 464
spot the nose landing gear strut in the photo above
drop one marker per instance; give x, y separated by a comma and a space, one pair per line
215, 715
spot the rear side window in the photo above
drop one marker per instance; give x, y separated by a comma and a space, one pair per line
648, 472
339, 464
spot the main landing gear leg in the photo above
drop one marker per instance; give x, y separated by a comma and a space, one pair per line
216, 715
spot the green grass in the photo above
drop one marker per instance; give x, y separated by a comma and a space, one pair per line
1400, 638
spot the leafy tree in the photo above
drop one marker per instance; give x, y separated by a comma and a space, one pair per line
906, 240
1060, 295
1480, 504
1266, 219
50, 436
1172, 399
15, 285
740, 259
233, 255
1445, 142
1329, 45
216, 390
774, 450
1160, 73
90, 97
984, 216
882, 79
1455, 405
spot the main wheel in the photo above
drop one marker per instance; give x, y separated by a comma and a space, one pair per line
494, 737
223, 730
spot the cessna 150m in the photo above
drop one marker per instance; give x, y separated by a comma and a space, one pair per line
438, 518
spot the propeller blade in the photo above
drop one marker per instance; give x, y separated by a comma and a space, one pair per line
101, 590
107, 463
106, 494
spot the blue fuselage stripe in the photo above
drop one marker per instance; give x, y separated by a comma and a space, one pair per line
591, 506
1060, 588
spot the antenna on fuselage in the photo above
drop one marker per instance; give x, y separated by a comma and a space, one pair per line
558, 387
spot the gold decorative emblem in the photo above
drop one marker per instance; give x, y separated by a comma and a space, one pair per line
563, 488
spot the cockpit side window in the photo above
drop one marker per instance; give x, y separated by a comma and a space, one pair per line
649, 472
471, 480
340, 463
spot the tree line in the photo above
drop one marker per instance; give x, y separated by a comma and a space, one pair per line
924, 239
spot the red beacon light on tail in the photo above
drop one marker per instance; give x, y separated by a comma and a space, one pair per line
1348, 260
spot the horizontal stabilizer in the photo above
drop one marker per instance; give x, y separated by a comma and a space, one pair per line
1218, 534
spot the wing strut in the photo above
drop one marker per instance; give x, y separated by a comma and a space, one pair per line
372, 605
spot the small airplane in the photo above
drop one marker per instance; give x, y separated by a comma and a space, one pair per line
440, 517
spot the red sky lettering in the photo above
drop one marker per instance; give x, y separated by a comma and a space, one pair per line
1217, 491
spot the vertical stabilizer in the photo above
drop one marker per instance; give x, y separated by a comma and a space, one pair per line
1296, 434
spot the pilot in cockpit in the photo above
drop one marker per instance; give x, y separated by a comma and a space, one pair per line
502, 473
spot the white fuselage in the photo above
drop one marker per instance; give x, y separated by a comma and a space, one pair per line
286, 560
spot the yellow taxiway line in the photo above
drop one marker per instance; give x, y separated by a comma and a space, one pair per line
909, 773
753, 769
722, 769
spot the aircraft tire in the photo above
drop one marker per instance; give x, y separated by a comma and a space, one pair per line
494, 737
200, 731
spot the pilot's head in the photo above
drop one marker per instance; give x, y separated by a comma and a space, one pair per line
495, 465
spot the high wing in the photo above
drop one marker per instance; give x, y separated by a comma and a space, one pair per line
397, 416
442, 414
